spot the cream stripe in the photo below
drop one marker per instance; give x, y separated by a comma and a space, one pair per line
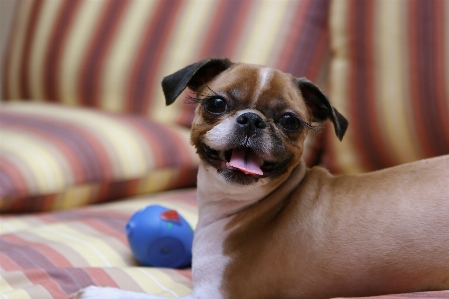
96, 252
15, 294
283, 34
389, 44
187, 37
5, 287
160, 285
118, 63
263, 32
11, 292
75, 49
18, 224
46, 172
45, 26
76, 196
345, 150
23, 12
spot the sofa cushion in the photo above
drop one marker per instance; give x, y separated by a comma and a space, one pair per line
51, 255
113, 55
389, 77
57, 157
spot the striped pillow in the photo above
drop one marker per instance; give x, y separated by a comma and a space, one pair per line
389, 77
113, 54
57, 157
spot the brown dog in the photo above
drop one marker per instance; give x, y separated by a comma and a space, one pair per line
271, 228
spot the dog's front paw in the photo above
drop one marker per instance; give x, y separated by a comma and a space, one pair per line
93, 292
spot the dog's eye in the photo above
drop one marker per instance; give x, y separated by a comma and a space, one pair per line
289, 122
215, 105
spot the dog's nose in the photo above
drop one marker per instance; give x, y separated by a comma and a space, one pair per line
250, 122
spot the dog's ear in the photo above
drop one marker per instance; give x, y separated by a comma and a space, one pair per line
192, 76
320, 106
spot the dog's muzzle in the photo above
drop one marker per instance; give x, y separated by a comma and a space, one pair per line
243, 161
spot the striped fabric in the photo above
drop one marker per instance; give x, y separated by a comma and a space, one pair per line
57, 157
390, 78
112, 54
51, 255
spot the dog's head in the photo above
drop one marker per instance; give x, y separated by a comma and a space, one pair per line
251, 120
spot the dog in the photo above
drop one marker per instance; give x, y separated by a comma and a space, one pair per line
269, 227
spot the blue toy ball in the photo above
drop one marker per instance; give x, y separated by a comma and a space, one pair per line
160, 237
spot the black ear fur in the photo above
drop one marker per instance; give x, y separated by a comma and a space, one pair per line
192, 76
321, 107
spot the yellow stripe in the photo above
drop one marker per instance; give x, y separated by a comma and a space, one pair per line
285, 25
5, 287
119, 61
96, 252
347, 160
76, 196
12, 292
157, 282
391, 57
46, 173
15, 294
259, 43
16, 224
75, 49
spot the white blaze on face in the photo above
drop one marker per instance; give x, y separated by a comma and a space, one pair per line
265, 76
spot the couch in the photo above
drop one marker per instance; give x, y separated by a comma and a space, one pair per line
86, 141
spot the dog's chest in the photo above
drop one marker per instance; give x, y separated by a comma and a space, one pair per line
209, 263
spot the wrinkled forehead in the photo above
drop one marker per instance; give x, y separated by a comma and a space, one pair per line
257, 85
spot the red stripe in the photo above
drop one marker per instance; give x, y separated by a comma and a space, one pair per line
56, 45
290, 43
60, 282
143, 75
28, 45
99, 46
12, 181
313, 44
8, 264
53, 256
186, 273
428, 98
319, 58
101, 277
440, 61
369, 144
26, 256
227, 24
6, 71
100, 226
214, 27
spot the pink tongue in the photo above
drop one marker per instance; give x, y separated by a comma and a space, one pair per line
246, 161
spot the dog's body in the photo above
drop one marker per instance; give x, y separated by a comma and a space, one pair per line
271, 228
